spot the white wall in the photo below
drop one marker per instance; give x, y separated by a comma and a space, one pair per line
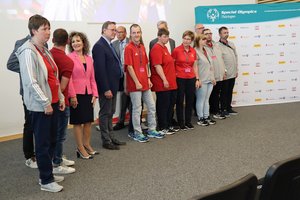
180, 18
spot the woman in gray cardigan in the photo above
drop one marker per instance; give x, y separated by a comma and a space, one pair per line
207, 79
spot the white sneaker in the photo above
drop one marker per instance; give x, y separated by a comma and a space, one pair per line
57, 179
98, 128
67, 162
51, 187
31, 163
63, 170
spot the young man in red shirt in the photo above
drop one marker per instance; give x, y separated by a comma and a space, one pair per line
139, 84
65, 68
163, 77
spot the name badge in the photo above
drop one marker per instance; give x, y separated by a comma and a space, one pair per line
142, 69
213, 57
187, 70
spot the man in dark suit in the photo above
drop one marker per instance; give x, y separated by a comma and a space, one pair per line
108, 71
119, 46
170, 45
28, 144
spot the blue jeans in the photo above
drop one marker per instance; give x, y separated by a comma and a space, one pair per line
63, 119
44, 130
202, 100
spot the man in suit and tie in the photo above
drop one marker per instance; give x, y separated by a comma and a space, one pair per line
119, 46
108, 71
170, 45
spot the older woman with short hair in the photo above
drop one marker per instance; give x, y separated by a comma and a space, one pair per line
185, 57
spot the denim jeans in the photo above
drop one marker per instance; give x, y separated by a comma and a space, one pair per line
44, 130
136, 98
202, 100
63, 118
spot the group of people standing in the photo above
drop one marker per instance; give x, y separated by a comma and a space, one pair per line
56, 86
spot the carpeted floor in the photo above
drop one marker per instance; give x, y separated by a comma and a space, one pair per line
176, 167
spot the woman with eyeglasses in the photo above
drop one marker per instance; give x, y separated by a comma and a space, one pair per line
186, 78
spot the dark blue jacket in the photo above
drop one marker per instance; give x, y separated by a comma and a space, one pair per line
107, 67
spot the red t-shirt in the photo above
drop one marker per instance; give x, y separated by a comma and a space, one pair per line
159, 55
65, 68
52, 80
184, 62
135, 55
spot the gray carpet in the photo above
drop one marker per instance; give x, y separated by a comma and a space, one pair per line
176, 167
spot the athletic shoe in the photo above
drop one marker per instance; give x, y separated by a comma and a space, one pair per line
166, 132
52, 187
210, 121
31, 162
57, 179
219, 116
232, 112
67, 162
226, 113
189, 126
63, 170
154, 134
202, 122
131, 135
139, 137
183, 127
98, 128
174, 128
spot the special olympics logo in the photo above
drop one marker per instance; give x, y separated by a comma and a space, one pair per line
213, 14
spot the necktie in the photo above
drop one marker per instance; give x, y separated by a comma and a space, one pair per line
116, 56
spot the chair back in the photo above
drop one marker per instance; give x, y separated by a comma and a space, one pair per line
282, 181
242, 189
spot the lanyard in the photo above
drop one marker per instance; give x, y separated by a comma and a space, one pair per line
187, 57
44, 54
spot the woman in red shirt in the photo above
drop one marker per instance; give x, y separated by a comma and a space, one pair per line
163, 78
184, 57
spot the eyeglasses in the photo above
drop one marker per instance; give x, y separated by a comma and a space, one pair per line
113, 30
207, 33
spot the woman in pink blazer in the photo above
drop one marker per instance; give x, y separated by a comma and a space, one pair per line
83, 94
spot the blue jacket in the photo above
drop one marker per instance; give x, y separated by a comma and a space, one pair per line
107, 67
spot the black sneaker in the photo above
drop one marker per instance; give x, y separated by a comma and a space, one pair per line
219, 116
174, 128
232, 112
202, 122
226, 113
210, 121
183, 127
189, 126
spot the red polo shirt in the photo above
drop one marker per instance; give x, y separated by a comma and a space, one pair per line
159, 55
135, 55
184, 62
65, 68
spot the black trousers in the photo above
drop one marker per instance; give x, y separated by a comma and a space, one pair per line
185, 92
217, 100
165, 102
28, 144
228, 86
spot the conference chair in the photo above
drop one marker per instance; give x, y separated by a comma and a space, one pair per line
242, 189
282, 181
